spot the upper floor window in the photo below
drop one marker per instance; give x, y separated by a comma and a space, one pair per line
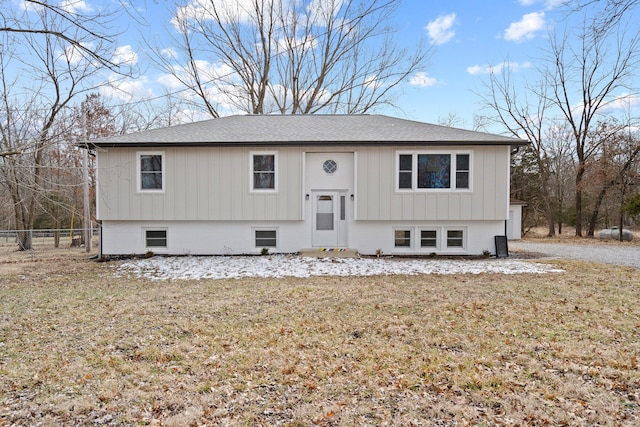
150, 171
433, 171
263, 171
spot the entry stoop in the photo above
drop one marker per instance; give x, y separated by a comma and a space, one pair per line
329, 253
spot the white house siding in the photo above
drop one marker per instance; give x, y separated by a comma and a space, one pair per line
207, 207
202, 184
375, 236
514, 224
201, 237
378, 199
237, 237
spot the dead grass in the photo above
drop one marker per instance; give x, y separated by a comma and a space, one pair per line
81, 347
539, 234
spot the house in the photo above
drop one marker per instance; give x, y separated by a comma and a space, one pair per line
240, 184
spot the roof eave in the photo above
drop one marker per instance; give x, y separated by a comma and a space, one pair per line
301, 144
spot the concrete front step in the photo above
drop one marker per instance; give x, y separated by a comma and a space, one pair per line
329, 252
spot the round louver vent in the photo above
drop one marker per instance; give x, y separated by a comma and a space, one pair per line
330, 166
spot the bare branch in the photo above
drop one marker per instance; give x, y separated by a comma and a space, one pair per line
289, 56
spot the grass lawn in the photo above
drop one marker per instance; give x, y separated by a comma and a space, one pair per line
81, 346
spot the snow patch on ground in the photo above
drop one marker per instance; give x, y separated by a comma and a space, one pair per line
235, 267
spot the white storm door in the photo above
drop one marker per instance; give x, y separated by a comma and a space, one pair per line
325, 218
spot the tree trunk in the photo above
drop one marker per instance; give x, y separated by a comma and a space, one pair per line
596, 211
25, 240
579, 176
56, 232
621, 225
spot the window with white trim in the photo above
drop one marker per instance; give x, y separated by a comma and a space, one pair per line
429, 239
455, 238
155, 239
426, 171
150, 168
266, 238
402, 238
264, 175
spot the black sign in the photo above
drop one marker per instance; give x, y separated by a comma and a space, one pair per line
502, 249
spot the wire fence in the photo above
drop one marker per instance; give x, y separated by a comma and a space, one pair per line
66, 236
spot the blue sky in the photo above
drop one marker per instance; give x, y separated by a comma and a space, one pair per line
466, 37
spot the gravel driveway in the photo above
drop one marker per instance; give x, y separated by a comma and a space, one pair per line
610, 254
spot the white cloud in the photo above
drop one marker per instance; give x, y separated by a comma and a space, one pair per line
224, 94
526, 28
73, 55
127, 89
75, 6
440, 31
170, 52
421, 79
624, 102
497, 68
323, 11
549, 4
24, 5
297, 44
372, 82
202, 10
125, 55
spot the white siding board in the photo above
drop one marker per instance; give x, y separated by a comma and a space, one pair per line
203, 185
454, 207
373, 184
431, 206
489, 206
501, 194
466, 207
443, 206
200, 184
184, 170
420, 206
212, 184
479, 185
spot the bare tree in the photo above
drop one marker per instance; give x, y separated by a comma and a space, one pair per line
524, 118
584, 69
38, 84
584, 77
78, 30
612, 166
288, 56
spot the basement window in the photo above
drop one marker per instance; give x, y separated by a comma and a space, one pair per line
429, 238
266, 238
156, 238
455, 238
402, 238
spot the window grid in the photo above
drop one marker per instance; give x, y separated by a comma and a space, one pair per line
402, 238
428, 238
455, 238
266, 238
263, 171
434, 171
156, 238
150, 171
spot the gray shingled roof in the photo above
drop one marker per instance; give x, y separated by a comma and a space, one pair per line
302, 130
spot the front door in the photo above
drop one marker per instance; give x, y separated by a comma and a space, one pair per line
329, 219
